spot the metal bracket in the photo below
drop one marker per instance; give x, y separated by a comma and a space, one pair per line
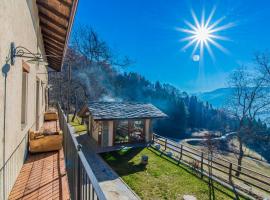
23, 53
79, 147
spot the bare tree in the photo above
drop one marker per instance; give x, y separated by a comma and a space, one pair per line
87, 43
249, 98
85, 57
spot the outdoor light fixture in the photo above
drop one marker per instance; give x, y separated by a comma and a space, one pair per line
22, 52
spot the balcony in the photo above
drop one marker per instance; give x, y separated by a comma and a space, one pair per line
43, 176
63, 174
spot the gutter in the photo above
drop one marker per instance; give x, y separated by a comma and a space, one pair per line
71, 19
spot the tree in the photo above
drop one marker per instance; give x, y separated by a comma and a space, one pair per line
249, 98
90, 60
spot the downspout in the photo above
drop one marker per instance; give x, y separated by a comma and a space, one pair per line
5, 70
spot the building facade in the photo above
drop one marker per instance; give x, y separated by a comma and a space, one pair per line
24, 84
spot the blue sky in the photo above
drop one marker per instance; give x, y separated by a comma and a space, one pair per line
145, 31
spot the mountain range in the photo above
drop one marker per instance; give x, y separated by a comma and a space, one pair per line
218, 98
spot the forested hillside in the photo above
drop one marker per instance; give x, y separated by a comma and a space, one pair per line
97, 75
102, 82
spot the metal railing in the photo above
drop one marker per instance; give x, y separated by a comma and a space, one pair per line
11, 168
82, 181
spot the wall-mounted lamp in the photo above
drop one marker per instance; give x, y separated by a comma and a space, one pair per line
22, 52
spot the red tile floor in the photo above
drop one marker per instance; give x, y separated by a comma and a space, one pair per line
43, 176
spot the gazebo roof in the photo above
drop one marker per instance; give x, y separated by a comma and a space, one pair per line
122, 110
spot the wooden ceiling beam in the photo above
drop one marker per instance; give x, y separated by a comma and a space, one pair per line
54, 46
53, 53
51, 28
45, 17
48, 38
65, 3
58, 62
53, 10
52, 35
54, 60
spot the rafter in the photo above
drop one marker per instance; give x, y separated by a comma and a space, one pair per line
51, 9
51, 28
53, 45
52, 35
45, 17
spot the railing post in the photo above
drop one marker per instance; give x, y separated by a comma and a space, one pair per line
202, 165
230, 172
78, 174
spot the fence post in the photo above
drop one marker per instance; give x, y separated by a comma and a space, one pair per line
202, 165
230, 172
181, 152
78, 174
165, 144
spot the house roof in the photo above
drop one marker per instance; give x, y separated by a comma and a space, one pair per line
56, 19
123, 110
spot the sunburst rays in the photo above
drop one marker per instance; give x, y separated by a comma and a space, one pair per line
204, 33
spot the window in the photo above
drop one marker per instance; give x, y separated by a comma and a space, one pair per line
129, 131
121, 132
24, 98
136, 130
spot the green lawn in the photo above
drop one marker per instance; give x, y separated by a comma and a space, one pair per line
162, 178
77, 124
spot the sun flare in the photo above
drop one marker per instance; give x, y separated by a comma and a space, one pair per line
205, 33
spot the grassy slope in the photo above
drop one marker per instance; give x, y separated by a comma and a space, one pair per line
161, 179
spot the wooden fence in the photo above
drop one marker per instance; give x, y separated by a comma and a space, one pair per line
250, 182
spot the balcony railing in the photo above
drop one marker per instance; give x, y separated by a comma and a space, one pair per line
11, 168
82, 181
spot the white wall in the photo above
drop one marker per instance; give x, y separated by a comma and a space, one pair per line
19, 24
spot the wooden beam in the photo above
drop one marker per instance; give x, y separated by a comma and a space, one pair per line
54, 52
51, 28
54, 61
54, 55
52, 35
53, 45
48, 38
65, 3
45, 17
51, 9
50, 59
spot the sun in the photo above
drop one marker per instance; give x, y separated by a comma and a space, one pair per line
202, 34
205, 33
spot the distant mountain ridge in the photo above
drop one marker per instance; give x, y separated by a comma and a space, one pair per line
218, 98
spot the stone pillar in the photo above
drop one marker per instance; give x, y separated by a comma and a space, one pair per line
110, 133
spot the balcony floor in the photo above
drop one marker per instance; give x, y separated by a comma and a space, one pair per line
43, 176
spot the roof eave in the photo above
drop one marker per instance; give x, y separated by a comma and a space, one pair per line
72, 16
